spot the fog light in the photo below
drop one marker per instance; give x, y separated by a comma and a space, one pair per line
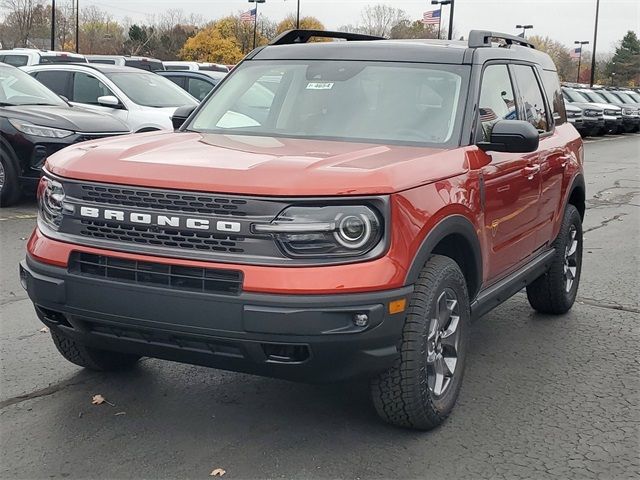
361, 319
23, 277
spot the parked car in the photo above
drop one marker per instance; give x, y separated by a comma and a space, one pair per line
34, 123
630, 114
393, 191
612, 113
197, 83
142, 100
143, 63
20, 57
630, 102
588, 125
196, 66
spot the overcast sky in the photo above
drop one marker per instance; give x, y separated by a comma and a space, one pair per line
565, 20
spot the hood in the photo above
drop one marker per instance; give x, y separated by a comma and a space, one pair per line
68, 118
599, 106
256, 165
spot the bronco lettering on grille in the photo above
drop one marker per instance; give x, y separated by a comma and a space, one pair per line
141, 218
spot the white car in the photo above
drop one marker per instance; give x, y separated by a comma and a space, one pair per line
143, 63
142, 100
195, 66
21, 57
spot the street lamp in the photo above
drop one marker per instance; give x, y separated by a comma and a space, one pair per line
441, 3
524, 28
255, 20
53, 24
593, 50
298, 16
581, 43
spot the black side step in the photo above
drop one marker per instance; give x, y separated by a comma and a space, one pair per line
491, 297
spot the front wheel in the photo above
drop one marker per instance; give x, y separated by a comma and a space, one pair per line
421, 389
9, 186
555, 291
91, 358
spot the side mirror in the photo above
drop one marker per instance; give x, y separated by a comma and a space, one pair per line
180, 115
514, 136
109, 101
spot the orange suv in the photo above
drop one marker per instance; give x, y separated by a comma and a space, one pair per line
331, 210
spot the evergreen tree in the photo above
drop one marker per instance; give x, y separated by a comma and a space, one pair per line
625, 64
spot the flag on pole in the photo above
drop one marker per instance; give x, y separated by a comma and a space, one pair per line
249, 16
575, 53
431, 17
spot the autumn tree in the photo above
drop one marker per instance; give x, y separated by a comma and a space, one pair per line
210, 45
567, 67
306, 23
625, 64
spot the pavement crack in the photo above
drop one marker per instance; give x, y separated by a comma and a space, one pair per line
605, 222
43, 392
13, 300
611, 306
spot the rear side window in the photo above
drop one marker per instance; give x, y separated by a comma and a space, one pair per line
533, 102
199, 88
497, 100
554, 96
87, 89
103, 61
180, 81
55, 80
48, 59
16, 60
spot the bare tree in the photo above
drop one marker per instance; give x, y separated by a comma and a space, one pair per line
380, 19
21, 21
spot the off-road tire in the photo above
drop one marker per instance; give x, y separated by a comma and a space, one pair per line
401, 395
10, 192
91, 358
548, 293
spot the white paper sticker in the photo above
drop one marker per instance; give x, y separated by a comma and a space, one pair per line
319, 86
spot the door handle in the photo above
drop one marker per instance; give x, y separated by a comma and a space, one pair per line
531, 170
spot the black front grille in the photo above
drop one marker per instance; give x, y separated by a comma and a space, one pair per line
164, 200
195, 279
162, 237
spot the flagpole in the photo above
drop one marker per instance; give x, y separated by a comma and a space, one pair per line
255, 26
439, 21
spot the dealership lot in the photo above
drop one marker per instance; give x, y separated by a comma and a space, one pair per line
542, 396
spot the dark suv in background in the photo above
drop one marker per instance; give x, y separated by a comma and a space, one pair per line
34, 123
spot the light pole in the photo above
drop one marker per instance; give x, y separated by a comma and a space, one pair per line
441, 3
450, 35
53, 24
255, 20
524, 29
298, 16
593, 53
581, 43
77, 26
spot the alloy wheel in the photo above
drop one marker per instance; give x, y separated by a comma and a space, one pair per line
443, 342
571, 259
2, 176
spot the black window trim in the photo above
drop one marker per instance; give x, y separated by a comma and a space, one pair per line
550, 121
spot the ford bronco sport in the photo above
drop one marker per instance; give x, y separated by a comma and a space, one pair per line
331, 210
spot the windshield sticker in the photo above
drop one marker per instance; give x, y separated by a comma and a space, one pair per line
320, 86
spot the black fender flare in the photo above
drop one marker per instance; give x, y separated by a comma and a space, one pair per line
457, 225
7, 151
576, 182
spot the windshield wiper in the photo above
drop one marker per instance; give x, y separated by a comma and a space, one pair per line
7, 104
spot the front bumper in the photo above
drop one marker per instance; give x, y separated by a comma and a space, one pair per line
309, 338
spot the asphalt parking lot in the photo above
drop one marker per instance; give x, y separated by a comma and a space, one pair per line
543, 397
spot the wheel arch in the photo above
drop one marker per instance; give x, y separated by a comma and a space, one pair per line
7, 151
454, 237
577, 195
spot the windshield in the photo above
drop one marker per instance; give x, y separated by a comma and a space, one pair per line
576, 96
634, 96
18, 88
624, 97
151, 90
608, 96
339, 100
594, 97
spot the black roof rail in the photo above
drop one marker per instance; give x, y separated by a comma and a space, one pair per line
303, 36
482, 38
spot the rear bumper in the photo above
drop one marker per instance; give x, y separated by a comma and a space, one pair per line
298, 337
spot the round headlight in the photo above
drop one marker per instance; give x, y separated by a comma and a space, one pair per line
353, 231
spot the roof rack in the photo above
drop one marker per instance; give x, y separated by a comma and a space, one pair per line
482, 38
303, 36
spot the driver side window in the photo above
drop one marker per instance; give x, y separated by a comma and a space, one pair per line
87, 89
497, 100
